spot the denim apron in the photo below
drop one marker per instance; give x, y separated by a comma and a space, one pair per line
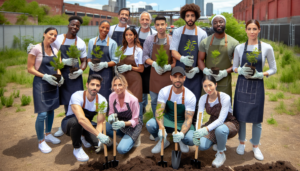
117, 36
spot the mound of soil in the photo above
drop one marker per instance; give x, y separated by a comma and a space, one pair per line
278, 166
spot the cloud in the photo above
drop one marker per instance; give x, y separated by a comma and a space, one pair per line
96, 6
140, 4
82, 1
174, 9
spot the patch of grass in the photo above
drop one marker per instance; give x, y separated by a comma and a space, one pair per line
61, 114
11, 57
296, 49
9, 101
294, 87
22, 78
147, 116
1, 106
84, 81
273, 98
288, 76
287, 58
3, 100
281, 108
271, 83
2, 69
277, 56
16, 94
19, 109
25, 100
281, 49
297, 104
280, 95
272, 121
2, 90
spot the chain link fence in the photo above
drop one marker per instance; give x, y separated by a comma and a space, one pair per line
289, 34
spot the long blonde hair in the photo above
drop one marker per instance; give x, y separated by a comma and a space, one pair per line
123, 81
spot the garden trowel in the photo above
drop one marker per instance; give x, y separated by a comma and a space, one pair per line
162, 162
176, 155
196, 162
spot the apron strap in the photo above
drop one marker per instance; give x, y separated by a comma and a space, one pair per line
219, 99
43, 50
182, 98
65, 36
97, 39
84, 95
212, 39
166, 37
246, 44
196, 33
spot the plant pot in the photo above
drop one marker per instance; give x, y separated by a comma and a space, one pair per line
253, 69
58, 77
215, 70
188, 68
73, 69
96, 61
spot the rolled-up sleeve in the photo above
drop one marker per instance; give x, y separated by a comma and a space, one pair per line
90, 48
135, 109
113, 47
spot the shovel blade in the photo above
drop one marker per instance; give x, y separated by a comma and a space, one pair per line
114, 163
176, 157
106, 165
162, 162
196, 163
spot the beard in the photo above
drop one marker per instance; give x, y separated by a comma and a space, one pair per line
180, 85
145, 26
193, 22
123, 21
219, 32
91, 91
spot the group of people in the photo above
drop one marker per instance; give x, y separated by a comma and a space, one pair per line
124, 84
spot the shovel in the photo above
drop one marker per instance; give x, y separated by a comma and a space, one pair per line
106, 165
162, 162
115, 162
196, 162
176, 155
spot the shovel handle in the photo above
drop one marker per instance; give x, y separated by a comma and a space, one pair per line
162, 143
104, 132
115, 140
198, 127
175, 122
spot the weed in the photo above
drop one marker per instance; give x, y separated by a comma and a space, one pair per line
16, 94
272, 121
277, 56
281, 108
2, 69
9, 101
19, 109
25, 100
273, 98
297, 104
3, 100
280, 95
2, 90
294, 87
1, 106
281, 49
288, 76
61, 114
271, 83
296, 49
287, 58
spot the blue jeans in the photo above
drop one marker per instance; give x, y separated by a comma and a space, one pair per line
153, 102
221, 133
153, 128
46, 117
125, 144
141, 110
143, 104
256, 132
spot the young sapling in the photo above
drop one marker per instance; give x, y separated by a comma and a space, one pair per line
98, 53
215, 55
252, 59
190, 48
75, 54
57, 65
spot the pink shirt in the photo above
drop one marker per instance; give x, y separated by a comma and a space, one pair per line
37, 51
133, 104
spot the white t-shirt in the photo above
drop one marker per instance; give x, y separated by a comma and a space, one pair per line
77, 98
189, 97
138, 55
226, 107
143, 35
177, 36
112, 29
80, 44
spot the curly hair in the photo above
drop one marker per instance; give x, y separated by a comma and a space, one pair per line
190, 7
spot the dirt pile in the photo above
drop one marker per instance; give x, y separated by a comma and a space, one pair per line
277, 166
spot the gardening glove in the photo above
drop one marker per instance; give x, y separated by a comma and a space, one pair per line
103, 138
246, 71
124, 68
177, 137
157, 68
100, 66
187, 60
196, 141
200, 133
192, 72
99, 147
92, 66
222, 74
167, 68
29, 47
50, 79
257, 75
207, 71
160, 134
70, 61
112, 118
118, 125
75, 74
61, 82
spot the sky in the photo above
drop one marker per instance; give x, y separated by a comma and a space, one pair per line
166, 5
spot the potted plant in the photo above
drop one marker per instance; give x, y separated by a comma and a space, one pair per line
162, 57
215, 60
56, 64
190, 48
252, 59
98, 54
75, 54
119, 53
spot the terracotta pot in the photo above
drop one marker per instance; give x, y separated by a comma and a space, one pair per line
215, 70
253, 69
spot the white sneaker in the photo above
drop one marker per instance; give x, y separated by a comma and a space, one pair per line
157, 147
53, 140
240, 149
215, 147
59, 132
151, 137
137, 142
183, 148
219, 160
85, 143
44, 147
257, 153
80, 154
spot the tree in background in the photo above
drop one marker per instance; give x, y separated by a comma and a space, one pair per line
86, 20
3, 20
55, 20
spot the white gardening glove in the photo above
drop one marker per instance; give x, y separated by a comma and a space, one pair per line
111, 118
103, 138
61, 82
187, 60
99, 147
50, 79
192, 72
207, 71
70, 61
157, 68
221, 75
160, 134
118, 125
124, 68
100, 66
92, 66
29, 47
257, 75
177, 137
245, 71
75, 74
167, 68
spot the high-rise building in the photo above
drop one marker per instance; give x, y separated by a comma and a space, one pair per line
121, 4
200, 3
189, 1
209, 9
113, 5
148, 7
141, 9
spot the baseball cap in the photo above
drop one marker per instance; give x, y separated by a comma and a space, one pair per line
178, 69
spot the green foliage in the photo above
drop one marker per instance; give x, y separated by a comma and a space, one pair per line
297, 104
101, 107
86, 20
22, 78
201, 24
162, 57
280, 95
147, 116
86, 41
97, 52
215, 55
272, 121
57, 64
3, 100
1, 106
9, 101
296, 49
26, 41
19, 109
288, 76
55, 20
160, 112
2, 90
3, 20
119, 53
273, 98
73, 52
2, 69
114, 21
21, 19
281, 49
190, 46
252, 57
281, 108
287, 58
61, 114
25, 100
180, 22
16, 94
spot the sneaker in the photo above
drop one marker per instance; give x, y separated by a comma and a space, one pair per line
240, 149
183, 148
138, 142
44, 147
157, 147
52, 139
219, 160
85, 143
215, 147
151, 137
59, 132
257, 154
80, 154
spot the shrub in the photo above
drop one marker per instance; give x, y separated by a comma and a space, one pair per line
3, 20
271, 83
281, 108
9, 101
25, 100
272, 121
280, 95
15, 94
2, 90
288, 76
287, 58
3, 100
273, 98
297, 104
